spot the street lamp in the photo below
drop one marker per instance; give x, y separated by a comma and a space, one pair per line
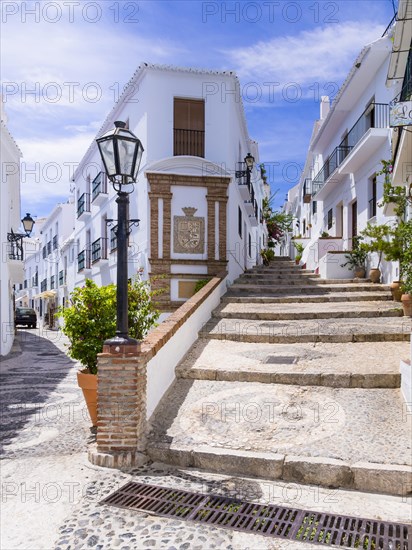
28, 223
121, 153
16, 239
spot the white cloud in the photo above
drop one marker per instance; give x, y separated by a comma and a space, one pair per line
310, 56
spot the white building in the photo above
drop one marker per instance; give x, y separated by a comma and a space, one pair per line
48, 269
11, 270
197, 218
340, 189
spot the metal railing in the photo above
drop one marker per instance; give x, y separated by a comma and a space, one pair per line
113, 238
99, 185
15, 246
83, 204
188, 142
376, 115
99, 250
83, 260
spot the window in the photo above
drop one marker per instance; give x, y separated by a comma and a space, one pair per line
250, 245
354, 219
330, 218
239, 222
189, 127
372, 201
314, 207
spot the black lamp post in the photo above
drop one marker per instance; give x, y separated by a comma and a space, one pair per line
16, 239
121, 152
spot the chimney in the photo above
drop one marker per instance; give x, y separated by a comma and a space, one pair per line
324, 107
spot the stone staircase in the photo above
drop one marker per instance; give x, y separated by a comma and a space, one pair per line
294, 378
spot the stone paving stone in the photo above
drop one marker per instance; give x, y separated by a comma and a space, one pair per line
312, 330
343, 365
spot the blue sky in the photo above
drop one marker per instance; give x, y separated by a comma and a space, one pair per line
62, 64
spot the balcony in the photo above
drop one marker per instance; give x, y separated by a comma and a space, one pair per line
366, 135
99, 250
83, 261
245, 185
188, 142
83, 206
307, 191
99, 189
113, 238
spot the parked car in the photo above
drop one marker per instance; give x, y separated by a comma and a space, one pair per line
25, 316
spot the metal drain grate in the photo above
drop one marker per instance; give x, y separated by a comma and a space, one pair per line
281, 360
263, 519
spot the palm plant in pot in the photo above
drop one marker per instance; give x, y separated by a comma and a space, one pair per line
299, 252
356, 258
378, 241
405, 233
91, 319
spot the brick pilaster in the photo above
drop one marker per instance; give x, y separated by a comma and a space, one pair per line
121, 408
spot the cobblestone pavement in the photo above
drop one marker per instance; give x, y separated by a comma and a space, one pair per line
51, 493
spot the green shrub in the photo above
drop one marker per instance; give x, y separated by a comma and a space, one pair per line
200, 284
91, 318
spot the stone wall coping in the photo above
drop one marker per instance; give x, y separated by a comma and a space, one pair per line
158, 337
146, 349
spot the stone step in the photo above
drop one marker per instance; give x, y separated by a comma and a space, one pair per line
275, 281
331, 298
245, 289
360, 365
385, 329
322, 436
275, 312
266, 277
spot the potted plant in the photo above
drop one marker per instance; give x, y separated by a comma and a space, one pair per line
91, 319
356, 258
267, 255
378, 241
299, 249
405, 234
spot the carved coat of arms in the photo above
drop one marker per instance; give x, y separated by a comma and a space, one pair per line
189, 232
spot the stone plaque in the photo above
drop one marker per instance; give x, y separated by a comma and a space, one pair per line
189, 233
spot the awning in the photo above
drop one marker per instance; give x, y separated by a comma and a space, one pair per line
401, 41
47, 294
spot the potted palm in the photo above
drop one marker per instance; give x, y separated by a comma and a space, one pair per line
267, 255
378, 241
299, 252
91, 319
356, 258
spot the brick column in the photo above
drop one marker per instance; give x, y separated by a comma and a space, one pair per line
121, 408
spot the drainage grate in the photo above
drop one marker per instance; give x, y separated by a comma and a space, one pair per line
281, 360
263, 519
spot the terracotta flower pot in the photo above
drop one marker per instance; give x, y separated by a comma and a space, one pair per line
375, 275
407, 304
359, 272
396, 291
88, 384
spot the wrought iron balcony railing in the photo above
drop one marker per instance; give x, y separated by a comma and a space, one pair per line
376, 115
99, 185
83, 260
83, 204
99, 250
189, 142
